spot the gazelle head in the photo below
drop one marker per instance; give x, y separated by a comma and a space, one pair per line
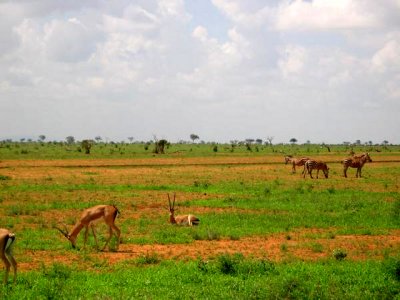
65, 233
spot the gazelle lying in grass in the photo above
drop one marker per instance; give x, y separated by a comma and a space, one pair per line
189, 220
7, 239
107, 212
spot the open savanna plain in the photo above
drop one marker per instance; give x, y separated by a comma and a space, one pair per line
265, 233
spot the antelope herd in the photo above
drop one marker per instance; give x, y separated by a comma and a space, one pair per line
109, 212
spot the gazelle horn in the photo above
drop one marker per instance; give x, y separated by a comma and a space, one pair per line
169, 201
63, 232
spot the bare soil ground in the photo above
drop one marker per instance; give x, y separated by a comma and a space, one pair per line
307, 245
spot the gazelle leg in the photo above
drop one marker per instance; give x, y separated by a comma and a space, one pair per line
12, 260
7, 265
118, 231
94, 235
86, 236
109, 238
14, 266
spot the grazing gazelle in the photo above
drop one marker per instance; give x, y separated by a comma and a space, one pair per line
182, 219
7, 239
107, 212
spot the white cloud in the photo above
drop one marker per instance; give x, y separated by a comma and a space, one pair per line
246, 13
324, 15
293, 60
200, 33
69, 41
150, 67
387, 58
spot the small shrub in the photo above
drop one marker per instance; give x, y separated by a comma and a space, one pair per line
57, 271
234, 237
331, 235
148, 259
339, 254
202, 265
4, 177
331, 190
228, 264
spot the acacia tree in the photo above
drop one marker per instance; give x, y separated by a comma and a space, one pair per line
70, 139
160, 146
293, 141
87, 145
194, 137
42, 138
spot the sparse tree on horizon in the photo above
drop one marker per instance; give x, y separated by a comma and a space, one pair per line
87, 145
70, 139
160, 146
194, 137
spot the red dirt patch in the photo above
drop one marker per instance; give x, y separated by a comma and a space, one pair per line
274, 247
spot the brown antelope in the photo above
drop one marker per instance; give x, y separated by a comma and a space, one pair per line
296, 162
7, 239
356, 162
107, 212
311, 164
181, 219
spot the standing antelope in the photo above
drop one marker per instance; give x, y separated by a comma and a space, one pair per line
107, 212
181, 219
311, 164
355, 162
7, 239
296, 162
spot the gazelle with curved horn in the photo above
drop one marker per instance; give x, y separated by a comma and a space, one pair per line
181, 219
107, 212
7, 239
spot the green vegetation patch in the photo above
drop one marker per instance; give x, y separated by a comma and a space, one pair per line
225, 277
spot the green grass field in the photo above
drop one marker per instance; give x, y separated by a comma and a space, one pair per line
265, 233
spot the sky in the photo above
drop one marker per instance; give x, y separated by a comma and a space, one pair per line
324, 71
